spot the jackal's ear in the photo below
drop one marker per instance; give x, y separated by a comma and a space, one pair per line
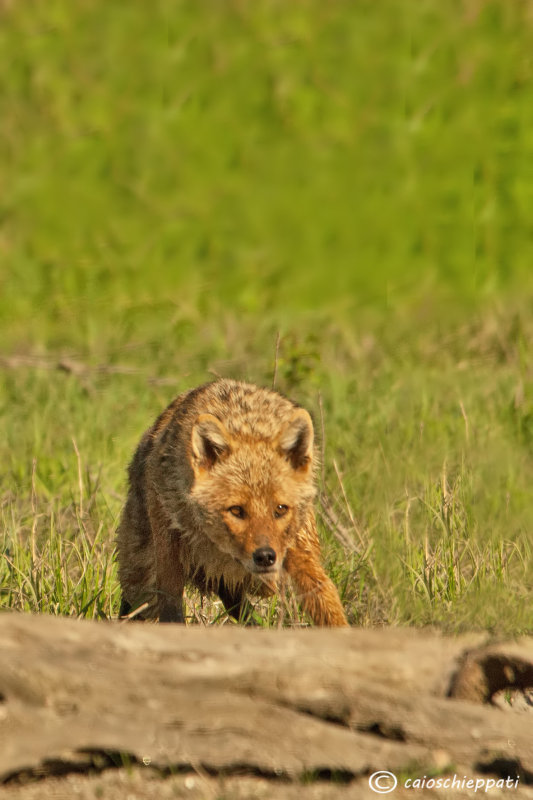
296, 441
210, 441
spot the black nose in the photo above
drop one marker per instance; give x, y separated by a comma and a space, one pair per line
264, 557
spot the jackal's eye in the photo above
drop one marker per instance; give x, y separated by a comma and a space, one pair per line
280, 510
237, 511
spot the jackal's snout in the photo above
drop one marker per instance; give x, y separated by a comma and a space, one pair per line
264, 558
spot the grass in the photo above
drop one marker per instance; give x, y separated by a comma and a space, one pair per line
335, 197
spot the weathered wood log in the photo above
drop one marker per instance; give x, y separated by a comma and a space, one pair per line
339, 704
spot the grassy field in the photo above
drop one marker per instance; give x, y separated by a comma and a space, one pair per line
335, 196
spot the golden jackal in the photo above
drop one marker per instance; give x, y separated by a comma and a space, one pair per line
221, 496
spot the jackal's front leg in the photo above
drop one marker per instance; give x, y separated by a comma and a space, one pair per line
169, 575
315, 591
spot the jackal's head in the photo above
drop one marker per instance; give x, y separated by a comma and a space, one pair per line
253, 493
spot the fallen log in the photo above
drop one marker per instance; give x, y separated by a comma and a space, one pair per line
277, 705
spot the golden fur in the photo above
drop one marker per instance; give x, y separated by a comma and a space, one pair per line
221, 496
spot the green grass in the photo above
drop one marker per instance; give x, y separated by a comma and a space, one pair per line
334, 194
